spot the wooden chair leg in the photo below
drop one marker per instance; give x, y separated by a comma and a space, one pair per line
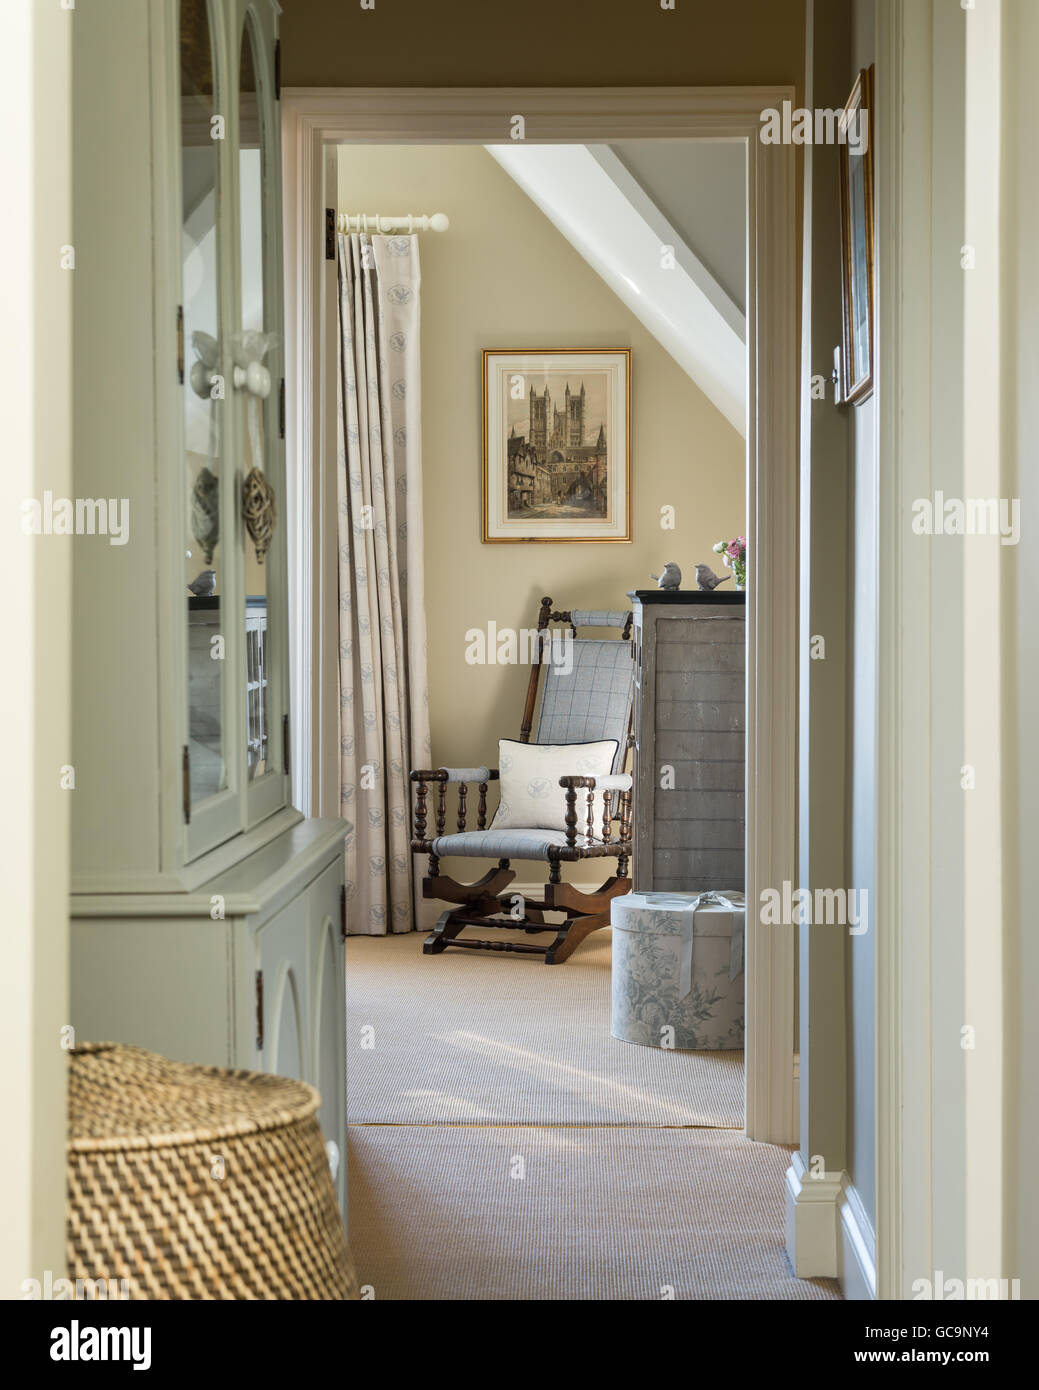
442, 934
572, 933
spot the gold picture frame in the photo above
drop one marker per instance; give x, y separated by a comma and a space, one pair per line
855, 154
556, 445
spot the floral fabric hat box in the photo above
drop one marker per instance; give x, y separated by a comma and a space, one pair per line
678, 969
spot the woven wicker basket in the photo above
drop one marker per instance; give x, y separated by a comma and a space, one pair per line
198, 1183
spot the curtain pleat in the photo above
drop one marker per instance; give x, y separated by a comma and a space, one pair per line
383, 693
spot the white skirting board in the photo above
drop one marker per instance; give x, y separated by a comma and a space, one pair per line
828, 1234
857, 1251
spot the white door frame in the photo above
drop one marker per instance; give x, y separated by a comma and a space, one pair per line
924, 961
313, 118
903, 319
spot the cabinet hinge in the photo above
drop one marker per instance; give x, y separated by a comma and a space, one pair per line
342, 911
259, 1011
185, 774
277, 69
281, 408
180, 344
286, 744
330, 234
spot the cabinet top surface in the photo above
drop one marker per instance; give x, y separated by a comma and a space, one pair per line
301, 848
730, 598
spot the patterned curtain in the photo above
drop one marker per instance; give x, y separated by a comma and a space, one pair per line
383, 698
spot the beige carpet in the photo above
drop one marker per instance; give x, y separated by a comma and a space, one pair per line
479, 1038
599, 1214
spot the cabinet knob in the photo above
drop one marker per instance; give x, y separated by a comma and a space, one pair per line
202, 378
255, 379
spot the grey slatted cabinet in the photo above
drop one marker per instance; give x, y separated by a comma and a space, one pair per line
690, 730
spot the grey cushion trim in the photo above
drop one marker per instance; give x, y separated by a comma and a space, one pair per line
502, 844
593, 701
597, 617
467, 774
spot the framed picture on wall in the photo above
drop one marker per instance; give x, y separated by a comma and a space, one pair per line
556, 445
855, 151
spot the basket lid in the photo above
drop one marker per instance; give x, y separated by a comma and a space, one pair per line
123, 1097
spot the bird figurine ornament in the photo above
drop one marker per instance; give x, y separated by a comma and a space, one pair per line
203, 584
671, 578
707, 579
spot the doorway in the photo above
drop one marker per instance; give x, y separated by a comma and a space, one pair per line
527, 271
315, 124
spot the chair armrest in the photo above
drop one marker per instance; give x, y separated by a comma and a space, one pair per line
619, 782
456, 774
612, 782
460, 776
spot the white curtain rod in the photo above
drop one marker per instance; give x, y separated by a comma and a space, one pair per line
379, 222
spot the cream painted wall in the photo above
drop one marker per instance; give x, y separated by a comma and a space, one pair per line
35, 694
504, 277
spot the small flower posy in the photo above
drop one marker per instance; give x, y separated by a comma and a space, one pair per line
734, 553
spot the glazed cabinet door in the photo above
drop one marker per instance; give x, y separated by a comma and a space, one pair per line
229, 609
207, 569
257, 344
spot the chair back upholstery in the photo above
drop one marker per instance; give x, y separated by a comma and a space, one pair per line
588, 697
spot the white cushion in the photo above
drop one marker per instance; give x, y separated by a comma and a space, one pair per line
531, 796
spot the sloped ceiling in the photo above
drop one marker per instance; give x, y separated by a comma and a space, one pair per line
594, 199
700, 187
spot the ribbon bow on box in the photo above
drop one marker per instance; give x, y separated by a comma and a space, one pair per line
736, 903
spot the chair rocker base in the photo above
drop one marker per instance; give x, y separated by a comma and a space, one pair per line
583, 914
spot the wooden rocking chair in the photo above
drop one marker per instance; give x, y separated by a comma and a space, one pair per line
591, 702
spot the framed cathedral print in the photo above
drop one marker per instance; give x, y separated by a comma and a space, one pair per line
556, 445
855, 153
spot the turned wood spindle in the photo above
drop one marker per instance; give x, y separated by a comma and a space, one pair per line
441, 806
481, 808
421, 792
606, 798
590, 822
462, 792
570, 819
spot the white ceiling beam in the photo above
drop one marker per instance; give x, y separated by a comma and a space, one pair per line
615, 168
676, 299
